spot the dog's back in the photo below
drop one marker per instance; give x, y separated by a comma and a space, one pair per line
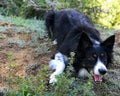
61, 23
64, 21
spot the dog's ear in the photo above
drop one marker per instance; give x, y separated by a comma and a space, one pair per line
109, 42
84, 41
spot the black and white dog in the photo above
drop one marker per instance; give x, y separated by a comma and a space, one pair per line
74, 32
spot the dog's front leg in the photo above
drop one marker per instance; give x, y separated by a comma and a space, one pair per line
58, 65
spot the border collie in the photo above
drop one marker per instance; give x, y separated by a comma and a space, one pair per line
74, 32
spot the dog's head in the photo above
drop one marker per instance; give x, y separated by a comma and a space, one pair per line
96, 55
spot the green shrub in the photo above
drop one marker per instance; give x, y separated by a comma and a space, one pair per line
102, 12
25, 8
38, 85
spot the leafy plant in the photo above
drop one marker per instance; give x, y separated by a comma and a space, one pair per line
102, 12
38, 86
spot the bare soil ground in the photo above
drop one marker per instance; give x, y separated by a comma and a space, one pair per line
19, 52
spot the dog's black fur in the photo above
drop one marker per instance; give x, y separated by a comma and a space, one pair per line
75, 32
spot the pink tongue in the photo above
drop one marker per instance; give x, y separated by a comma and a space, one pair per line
97, 78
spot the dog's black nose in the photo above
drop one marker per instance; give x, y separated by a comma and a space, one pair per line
102, 71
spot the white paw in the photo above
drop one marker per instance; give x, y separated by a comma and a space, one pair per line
52, 80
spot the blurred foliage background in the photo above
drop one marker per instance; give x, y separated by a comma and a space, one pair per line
104, 13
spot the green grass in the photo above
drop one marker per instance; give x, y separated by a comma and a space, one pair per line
38, 85
33, 24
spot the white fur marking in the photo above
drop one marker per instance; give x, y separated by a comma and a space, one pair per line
55, 42
83, 73
95, 41
58, 65
99, 65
